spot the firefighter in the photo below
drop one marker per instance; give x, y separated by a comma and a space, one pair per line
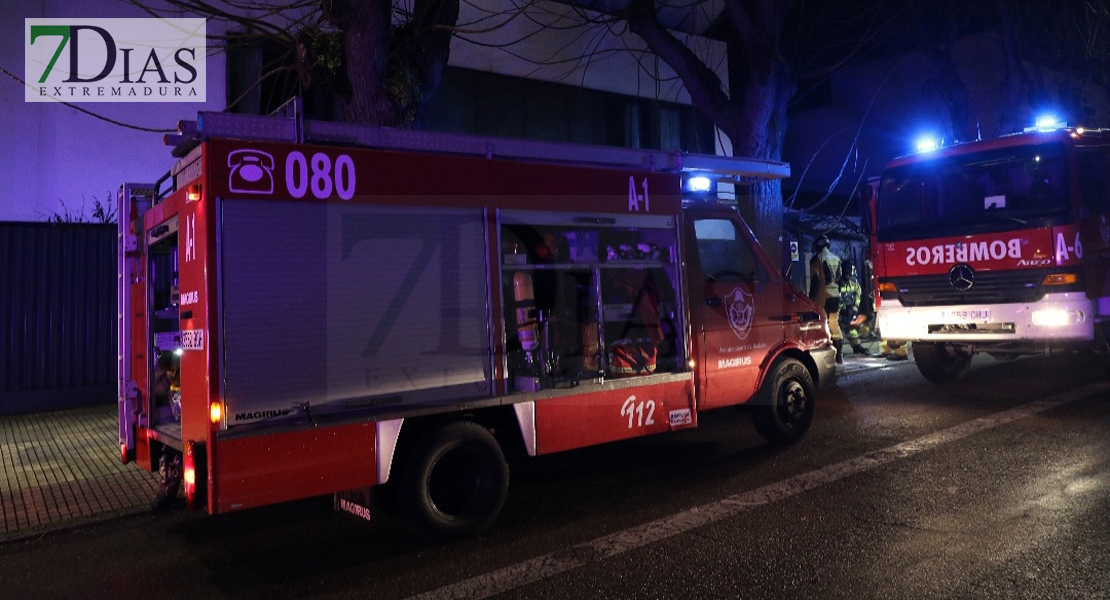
851, 311
824, 271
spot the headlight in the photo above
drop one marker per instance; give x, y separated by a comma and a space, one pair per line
1056, 317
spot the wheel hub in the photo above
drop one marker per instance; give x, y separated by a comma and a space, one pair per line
794, 400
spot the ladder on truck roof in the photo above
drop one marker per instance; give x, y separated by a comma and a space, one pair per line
723, 169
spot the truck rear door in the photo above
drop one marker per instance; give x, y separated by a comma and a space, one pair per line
735, 300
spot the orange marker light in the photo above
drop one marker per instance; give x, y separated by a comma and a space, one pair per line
1060, 279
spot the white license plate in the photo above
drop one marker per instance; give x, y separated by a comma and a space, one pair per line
192, 339
967, 315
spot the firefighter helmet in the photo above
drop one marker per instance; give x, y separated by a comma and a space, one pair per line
820, 243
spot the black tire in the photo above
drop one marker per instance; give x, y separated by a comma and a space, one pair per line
455, 480
784, 407
939, 363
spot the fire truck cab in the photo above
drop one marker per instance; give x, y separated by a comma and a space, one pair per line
999, 246
312, 308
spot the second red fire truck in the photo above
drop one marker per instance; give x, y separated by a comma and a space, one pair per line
313, 308
999, 246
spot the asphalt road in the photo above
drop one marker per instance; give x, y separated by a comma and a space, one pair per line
997, 486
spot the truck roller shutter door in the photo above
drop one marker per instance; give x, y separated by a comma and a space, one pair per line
345, 306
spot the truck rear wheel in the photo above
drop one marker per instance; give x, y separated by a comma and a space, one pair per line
939, 362
455, 480
784, 406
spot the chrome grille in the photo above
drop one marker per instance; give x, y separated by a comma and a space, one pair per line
991, 287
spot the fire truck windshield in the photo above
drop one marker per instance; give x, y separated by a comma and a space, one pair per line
995, 190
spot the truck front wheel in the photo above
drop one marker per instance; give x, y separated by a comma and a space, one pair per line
455, 480
784, 407
939, 362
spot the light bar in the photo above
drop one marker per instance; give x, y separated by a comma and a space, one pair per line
927, 144
1047, 122
699, 184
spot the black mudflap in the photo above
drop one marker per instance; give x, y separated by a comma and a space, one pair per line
354, 502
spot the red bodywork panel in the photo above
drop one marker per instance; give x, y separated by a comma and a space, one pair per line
197, 283
277, 467
400, 178
588, 419
1025, 249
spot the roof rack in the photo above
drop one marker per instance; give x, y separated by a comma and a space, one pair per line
293, 128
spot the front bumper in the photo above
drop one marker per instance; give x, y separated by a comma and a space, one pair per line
1056, 317
825, 359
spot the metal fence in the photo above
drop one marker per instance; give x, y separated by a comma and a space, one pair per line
58, 304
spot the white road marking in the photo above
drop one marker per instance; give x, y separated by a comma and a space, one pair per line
540, 568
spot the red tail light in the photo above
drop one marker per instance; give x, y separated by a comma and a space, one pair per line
192, 475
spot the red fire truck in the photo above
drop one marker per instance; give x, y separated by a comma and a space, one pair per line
312, 308
999, 246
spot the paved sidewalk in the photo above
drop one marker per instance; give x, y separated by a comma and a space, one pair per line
63, 467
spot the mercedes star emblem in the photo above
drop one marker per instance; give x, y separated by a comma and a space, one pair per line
961, 276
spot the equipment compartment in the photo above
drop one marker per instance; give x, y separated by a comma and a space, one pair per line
588, 297
163, 300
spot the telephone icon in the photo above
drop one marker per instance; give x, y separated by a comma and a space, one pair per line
252, 171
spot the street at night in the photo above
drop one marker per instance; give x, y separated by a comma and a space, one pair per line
991, 487
554, 299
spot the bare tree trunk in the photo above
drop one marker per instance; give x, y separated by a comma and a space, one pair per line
366, 28
705, 88
760, 85
760, 133
432, 22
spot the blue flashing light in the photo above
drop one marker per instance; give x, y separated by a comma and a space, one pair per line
927, 144
1048, 123
699, 184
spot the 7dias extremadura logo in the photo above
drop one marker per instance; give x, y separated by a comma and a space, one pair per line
115, 60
